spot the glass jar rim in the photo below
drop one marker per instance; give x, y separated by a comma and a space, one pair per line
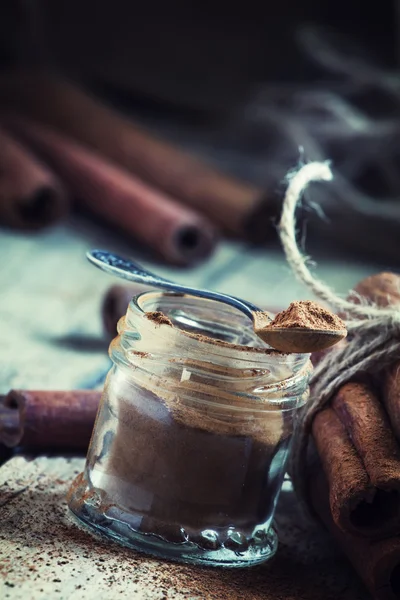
203, 342
156, 349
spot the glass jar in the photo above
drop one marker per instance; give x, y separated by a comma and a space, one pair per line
191, 438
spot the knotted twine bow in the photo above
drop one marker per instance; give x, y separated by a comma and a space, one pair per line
373, 332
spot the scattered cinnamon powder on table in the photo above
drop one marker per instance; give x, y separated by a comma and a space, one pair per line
159, 318
306, 313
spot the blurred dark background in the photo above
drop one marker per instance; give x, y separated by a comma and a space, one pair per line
250, 89
183, 54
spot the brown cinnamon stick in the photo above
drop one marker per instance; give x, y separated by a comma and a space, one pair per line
48, 419
356, 439
361, 460
31, 196
391, 396
115, 304
376, 562
384, 289
237, 207
178, 234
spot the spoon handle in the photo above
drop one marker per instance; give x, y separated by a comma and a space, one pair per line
127, 269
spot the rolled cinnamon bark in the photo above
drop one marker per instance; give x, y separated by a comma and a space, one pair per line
391, 396
48, 419
114, 305
31, 196
361, 460
364, 475
384, 289
377, 563
178, 234
237, 207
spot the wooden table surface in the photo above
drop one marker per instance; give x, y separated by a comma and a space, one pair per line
52, 339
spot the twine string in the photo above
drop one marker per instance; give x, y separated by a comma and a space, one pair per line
374, 332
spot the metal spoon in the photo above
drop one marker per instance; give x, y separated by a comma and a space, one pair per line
298, 340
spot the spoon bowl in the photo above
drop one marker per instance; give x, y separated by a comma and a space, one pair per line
285, 339
300, 339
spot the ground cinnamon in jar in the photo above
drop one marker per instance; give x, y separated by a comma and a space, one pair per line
159, 318
190, 444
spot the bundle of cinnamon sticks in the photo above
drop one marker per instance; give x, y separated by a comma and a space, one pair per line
63, 143
354, 486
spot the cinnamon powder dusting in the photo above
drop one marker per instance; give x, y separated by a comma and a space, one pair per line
159, 318
311, 315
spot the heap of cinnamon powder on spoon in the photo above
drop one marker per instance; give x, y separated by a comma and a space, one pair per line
311, 315
303, 327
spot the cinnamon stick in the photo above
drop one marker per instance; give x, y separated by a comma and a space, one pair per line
391, 396
176, 233
114, 305
361, 460
384, 289
376, 562
237, 207
48, 419
356, 439
31, 196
